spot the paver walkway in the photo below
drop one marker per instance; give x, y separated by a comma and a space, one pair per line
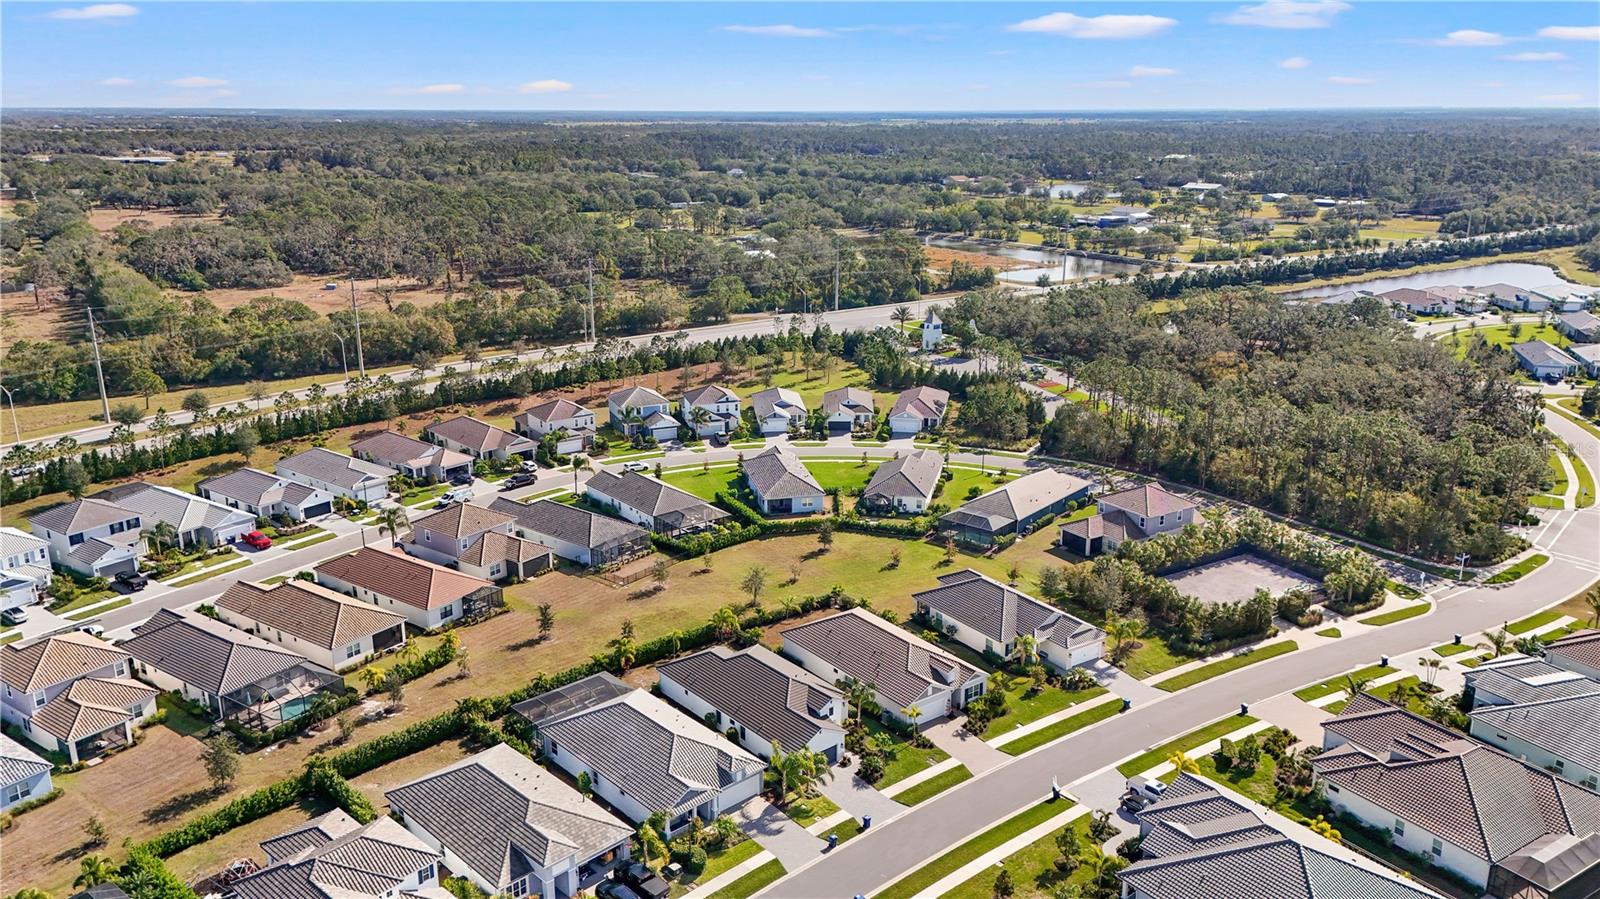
968, 749
856, 796
778, 833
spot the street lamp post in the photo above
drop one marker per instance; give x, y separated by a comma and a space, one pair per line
1461, 562
14, 426
344, 359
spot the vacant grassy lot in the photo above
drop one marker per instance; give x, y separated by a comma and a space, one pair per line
210, 857
1505, 335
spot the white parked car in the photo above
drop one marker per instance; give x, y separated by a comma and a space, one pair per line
636, 466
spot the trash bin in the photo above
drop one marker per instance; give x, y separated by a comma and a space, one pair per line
866, 821
833, 841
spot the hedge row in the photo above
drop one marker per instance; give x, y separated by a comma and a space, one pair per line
752, 525
250, 807
321, 778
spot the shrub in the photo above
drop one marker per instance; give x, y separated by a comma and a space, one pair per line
871, 768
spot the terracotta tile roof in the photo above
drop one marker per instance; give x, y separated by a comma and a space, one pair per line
460, 519
309, 611
497, 547
1582, 647
923, 402
402, 578
45, 663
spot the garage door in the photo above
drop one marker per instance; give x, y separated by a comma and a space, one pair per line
318, 509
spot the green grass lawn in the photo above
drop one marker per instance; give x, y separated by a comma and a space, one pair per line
751, 883
1032, 869
1335, 684
1153, 757
1517, 571
208, 575
963, 480
1501, 335
82, 614
1396, 615
418, 497
933, 786
1450, 649
1154, 656
844, 830
706, 483
1404, 591
724, 860
811, 810
1022, 709
905, 759
938, 868
1533, 621
1570, 408
1330, 632
1224, 666
1586, 495
1053, 732
845, 476
179, 719
1558, 475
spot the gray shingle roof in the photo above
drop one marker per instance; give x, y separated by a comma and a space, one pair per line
1527, 680
247, 485
900, 665
479, 435
80, 515
1568, 727
389, 572
206, 653
675, 508
333, 468
766, 693
567, 523
1583, 320
635, 397
1538, 352
924, 402
1148, 500
1001, 613
710, 395
18, 763
1010, 503
338, 859
854, 400
776, 473
184, 511
778, 400
494, 806
395, 448
914, 474
461, 519
1581, 648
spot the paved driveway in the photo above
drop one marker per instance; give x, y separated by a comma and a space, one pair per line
778, 833
1124, 684
858, 797
952, 737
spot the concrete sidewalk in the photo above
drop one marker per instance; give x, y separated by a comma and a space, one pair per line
966, 748
1002, 852
856, 796
778, 833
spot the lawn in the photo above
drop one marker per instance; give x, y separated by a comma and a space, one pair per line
1558, 475
811, 810
956, 491
1534, 621
1224, 666
1032, 869
1153, 657
1586, 495
1450, 649
1022, 709
1335, 684
722, 860
1515, 572
1051, 733
1396, 615
706, 483
938, 868
904, 759
1150, 758
99, 610
1333, 632
933, 786
1505, 336
208, 575
751, 883
846, 476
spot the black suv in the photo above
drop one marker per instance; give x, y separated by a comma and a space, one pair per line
647, 882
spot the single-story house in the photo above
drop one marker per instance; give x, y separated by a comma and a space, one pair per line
1514, 679
427, 595
574, 423
990, 617
1542, 360
91, 537
1409, 300
1514, 298
650, 503
478, 439
847, 409
328, 628
1014, 508
912, 680
1465, 299
1556, 734
416, 459
932, 331
71, 693
333, 857
24, 776
708, 410
1587, 355
918, 409
1582, 326
1487, 817
1564, 297
778, 410
1137, 513
781, 483
266, 495
197, 521
574, 534
510, 827
1578, 652
24, 568
635, 409
337, 474
231, 673
759, 697
642, 755
906, 484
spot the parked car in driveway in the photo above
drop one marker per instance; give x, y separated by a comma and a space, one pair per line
615, 889
256, 540
132, 581
458, 495
644, 881
463, 479
14, 616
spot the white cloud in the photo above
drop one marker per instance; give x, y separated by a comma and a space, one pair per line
544, 86
1295, 62
1108, 27
1104, 85
1470, 37
115, 81
1150, 72
95, 12
1571, 32
778, 30
1534, 56
1291, 14
448, 88
1348, 79
197, 81
1561, 98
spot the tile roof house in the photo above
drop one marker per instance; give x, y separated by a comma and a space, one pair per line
903, 670
1137, 513
781, 483
24, 776
1543, 361
712, 409
642, 755
24, 568
1464, 806
333, 857
574, 423
328, 628
1542, 714
266, 495
760, 697
91, 537
427, 595
1015, 507
906, 484
1515, 679
338, 474
1197, 843
635, 409
231, 673
39, 692
918, 409
574, 534
479, 541
989, 617
778, 410
1579, 651
1409, 300
416, 459
848, 408
197, 521
1582, 326
478, 439
650, 503
510, 826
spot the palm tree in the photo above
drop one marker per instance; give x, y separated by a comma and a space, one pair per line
93, 871
1431, 666
857, 692
579, 463
1181, 762
30, 893
699, 417
1402, 694
1591, 598
1122, 630
913, 713
725, 621
1355, 686
161, 534
1499, 641
901, 316
391, 521
1027, 648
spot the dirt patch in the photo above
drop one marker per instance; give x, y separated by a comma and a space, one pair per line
106, 220
941, 258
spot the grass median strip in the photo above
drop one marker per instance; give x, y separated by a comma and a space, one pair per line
751, 883
1335, 684
933, 786
1396, 615
941, 867
1052, 732
205, 576
1533, 622
1515, 572
1450, 649
1223, 666
99, 610
1153, 757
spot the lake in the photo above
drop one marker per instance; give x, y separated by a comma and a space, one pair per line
1517, 274
1046, 261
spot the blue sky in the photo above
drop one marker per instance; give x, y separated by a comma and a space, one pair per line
802, 57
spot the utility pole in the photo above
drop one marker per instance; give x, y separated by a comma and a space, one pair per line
835, 282
361, 359
589, 324
99, 369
